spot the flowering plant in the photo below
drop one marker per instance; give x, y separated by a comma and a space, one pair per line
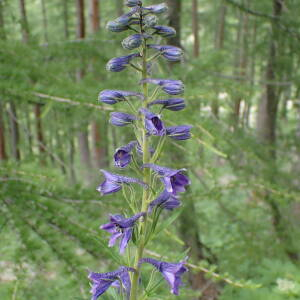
161, 185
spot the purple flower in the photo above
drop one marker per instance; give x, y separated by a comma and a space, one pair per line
173, 104
114, 96
132, 3
165, 200
121, 119
113, 182
123, 155
170, 53
157, 9
133, 41
164, 31
182, 132
102, 281
173, 180
171, 87
120, 228
153, 123
172, 272
126, 18
118, 64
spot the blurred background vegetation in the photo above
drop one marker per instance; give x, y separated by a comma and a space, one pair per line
240, 220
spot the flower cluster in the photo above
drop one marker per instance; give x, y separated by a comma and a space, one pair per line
160, 186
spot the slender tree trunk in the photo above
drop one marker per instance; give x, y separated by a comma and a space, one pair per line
14, 130
24, 21
219, 44
94, 15
39, 133
175, 20
66, 19
3, 155
80, 32
195, 25
45, 20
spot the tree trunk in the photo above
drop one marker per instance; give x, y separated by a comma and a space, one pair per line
14, 130
3, 155
267, 111
45, 21
80, 32
219, 44
39, 133
24, 21
94, 15
66, 19
195, 25
175, 21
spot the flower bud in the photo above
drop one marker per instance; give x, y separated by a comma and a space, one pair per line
157, 9
115, 26
164, 31
150, 20
170, 53
133, 41
118, 64
182, 132
173, 104
121, 119
132, 3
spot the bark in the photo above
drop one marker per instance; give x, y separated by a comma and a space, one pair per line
3, 155
24, 21
267, 111
45, 20
14, 131
80, 32
39, 133
195, 25
175, 20
219, 44
94, 15
66, 19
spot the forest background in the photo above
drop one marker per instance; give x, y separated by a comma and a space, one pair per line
240, 219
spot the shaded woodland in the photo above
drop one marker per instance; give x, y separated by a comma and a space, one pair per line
239, 223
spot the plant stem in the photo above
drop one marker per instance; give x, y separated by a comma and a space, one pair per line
146, 179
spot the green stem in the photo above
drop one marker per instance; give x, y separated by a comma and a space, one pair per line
146, 179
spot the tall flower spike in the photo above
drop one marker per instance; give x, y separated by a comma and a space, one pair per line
170, 53
121, 119
173, 180
118, 64
122, 156
173, 104
153, 123
102, 281
113, 182
114, 96
171, 87
120, 228
172, 272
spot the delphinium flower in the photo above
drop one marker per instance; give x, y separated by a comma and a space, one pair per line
159, 186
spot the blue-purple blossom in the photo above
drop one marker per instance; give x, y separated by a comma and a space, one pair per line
173, 180
173, 104
157, 8
182, 132
116, 27
121, 119
165, 200
170, 53
134, 41
171, 87
172, 272
102, 281
164, 31
132, 3
153, 123
126, 19
121, 229
150, 20
114, 96
113, 182
122, 156
118, 64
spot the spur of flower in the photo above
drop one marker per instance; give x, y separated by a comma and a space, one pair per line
121, 119
102, 281
173, 180
121, 229
113, 182
172, 272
